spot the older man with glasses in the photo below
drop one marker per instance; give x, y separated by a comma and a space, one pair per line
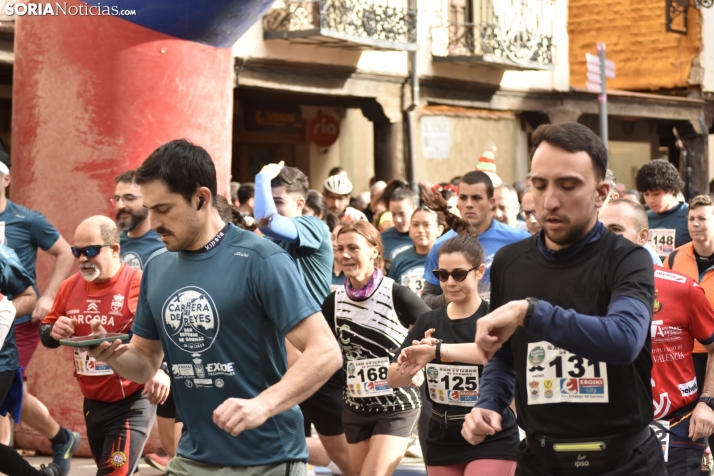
528, 211
118, 413
138, 241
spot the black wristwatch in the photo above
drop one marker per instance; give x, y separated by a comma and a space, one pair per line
708, 401
437, 351
532, 303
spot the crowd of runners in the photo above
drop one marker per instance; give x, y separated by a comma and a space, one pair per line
560, 326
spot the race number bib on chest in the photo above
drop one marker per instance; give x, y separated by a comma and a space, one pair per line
368, 378
86, 365
554, 375
662, 240
453, 384
414, 280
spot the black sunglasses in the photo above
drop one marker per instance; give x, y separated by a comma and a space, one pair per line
88, 251
459, 274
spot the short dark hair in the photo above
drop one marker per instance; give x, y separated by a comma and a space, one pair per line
315, 201
658, 174
184, 168
476, 176
395, 191
466, 241
126, 177
293, 180
404, 193
245, 192
331, 220
573, 137
336, 171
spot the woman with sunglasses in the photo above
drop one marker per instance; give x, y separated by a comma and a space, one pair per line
442, 340
408, 267
371, 315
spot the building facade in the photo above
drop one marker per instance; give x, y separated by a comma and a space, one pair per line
421, 88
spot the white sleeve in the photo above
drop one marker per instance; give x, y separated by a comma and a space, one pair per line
7, 315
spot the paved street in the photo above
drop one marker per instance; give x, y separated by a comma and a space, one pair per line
86, 467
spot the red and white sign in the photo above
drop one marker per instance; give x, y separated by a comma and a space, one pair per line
324, 130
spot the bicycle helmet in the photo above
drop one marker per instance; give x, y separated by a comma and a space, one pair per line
338, 184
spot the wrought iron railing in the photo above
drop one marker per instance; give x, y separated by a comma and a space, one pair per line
512, 32
386, 21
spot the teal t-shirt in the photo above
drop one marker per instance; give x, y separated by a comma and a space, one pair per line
222, 317
408, 269
14, 279
24, 231
313, 254
395, 242
136, 251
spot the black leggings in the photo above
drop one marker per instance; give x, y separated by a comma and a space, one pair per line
117, 433
12, 464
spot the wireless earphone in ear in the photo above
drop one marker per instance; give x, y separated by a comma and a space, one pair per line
201, 201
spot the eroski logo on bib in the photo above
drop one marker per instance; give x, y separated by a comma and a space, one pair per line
191, 319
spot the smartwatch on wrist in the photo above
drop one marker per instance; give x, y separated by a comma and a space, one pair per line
708, 401
532, 303
437, 351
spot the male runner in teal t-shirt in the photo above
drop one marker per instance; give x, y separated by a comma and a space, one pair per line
220, 303
280, 194
138, 241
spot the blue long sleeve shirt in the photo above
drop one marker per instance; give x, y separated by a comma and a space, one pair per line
281, 228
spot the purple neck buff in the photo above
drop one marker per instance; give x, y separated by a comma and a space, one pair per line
365, 291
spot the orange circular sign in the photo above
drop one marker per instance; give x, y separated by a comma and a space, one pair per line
324, 130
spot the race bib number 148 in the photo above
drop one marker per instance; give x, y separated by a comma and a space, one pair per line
554, 375
662, 240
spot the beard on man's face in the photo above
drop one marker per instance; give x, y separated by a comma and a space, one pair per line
129, 224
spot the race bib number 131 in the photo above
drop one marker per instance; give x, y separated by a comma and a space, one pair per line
554, 375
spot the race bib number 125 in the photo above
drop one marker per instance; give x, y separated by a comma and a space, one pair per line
453, 384
554, 375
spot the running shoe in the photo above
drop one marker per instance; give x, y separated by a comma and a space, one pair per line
51, 470
157, 461
62, 454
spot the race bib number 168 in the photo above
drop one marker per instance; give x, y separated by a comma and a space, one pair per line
554, 375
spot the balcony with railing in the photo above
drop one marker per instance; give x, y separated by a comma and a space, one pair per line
353, 24
514, 34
